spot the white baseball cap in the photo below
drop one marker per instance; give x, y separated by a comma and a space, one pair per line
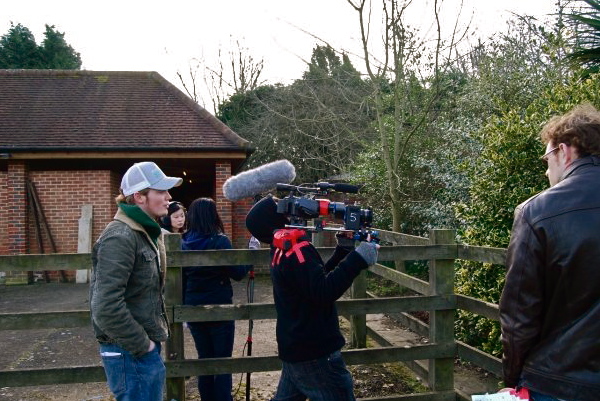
147, 175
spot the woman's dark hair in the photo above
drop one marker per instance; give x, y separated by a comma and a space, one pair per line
203, 217
165, 222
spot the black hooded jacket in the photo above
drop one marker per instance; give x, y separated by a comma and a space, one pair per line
304, 290
305, 295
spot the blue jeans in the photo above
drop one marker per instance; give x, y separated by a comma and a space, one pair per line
323, 379
214, 340
133, 378
535, 396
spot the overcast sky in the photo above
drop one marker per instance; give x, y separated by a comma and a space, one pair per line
138, 35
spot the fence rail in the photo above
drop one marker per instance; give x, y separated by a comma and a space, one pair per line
436, 297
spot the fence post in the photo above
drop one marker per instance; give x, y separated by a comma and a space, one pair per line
174, 349
358, 323
441, 323
84, 240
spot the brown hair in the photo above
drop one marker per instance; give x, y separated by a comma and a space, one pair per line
580, 128
129, 198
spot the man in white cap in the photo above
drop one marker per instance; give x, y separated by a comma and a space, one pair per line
127, 285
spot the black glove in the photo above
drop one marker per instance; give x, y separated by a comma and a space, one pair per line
344, 241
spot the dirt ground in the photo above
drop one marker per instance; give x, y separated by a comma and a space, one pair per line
77, 346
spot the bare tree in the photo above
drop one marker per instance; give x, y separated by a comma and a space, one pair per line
238, 73
407, 84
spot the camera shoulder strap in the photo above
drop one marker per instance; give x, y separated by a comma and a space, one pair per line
287, 242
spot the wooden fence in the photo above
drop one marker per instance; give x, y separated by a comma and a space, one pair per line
436, 297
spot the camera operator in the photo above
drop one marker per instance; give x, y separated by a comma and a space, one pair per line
305, 290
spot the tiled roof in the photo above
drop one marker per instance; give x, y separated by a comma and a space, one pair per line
51, 110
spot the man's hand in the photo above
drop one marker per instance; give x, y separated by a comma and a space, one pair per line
369, 252
344, 240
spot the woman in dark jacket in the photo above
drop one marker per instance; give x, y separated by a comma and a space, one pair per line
209, 285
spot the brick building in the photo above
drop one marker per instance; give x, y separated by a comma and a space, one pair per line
67, 137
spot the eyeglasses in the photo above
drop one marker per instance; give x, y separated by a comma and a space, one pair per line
544, 158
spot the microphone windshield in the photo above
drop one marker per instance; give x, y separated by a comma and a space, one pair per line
258, 180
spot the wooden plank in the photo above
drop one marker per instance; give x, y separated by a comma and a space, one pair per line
483, 254
396, 354
220, 257
40, 377
92, 374
49, 261
215, 366
416, 366
358, 322
487, 309
212, 366
480, 358
412, 323
395, 304
174, 346
262, 256
85, 240
402, 239
441, 322
417, 252
406, 280
44, 320
258, 311
207, 313
464, 351
75, 261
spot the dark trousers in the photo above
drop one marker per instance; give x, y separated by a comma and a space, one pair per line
323, 379
214, 340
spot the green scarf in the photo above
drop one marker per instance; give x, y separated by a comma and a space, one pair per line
139, 216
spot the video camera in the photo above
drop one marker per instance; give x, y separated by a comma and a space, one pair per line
301, 205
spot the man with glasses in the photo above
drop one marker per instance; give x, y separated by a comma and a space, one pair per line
550, 306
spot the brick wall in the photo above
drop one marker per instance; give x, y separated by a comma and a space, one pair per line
62, 194
222, 173
3, 214
17, 217
233, 214
239, 212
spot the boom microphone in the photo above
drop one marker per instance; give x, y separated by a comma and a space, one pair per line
258, 180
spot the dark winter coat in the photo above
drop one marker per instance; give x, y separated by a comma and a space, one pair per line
209, 285
305, 295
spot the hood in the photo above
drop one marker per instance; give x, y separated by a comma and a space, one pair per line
262, 220
191, 240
